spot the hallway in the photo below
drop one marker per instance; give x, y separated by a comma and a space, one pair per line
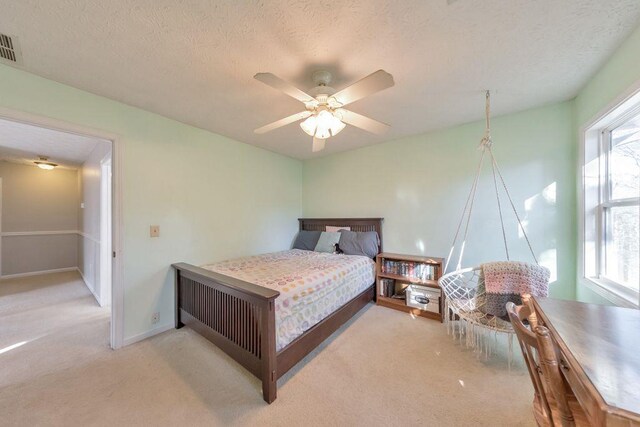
54, 315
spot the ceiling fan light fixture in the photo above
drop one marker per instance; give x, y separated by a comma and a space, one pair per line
327, 125
322, 133
336, 125
310, 125
44, 163
325, 121
322, 125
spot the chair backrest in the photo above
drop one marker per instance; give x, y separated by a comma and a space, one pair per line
540, 356
532, 318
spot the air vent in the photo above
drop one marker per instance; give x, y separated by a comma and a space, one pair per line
9, 49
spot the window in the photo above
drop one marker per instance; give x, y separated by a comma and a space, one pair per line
611, 181
620, 209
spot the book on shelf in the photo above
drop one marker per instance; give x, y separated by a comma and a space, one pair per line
415, 270
387, 287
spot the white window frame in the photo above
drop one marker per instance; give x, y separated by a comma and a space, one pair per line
595, 200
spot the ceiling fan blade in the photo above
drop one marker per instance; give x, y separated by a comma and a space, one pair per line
277, 83
283, 122
318, 145
362, 122
374, 82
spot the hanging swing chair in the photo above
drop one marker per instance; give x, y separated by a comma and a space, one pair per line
464, 288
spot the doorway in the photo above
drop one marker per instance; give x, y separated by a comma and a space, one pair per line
97, 231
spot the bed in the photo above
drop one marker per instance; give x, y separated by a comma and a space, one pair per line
269, 311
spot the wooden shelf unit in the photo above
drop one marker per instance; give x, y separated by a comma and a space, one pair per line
400, 304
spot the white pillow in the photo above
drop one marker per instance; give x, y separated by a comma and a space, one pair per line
327, 242
331, 228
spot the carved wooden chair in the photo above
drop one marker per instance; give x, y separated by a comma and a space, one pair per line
553, 404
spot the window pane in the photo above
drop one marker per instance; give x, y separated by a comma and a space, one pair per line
624, 160
622, 254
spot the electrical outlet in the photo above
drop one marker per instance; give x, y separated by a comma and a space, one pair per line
154, 231
155, 318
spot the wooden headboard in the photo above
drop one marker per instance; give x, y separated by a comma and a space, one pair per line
355, 224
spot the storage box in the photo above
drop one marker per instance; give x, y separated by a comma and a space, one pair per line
424, 298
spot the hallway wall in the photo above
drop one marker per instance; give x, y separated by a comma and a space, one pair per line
39, 219
90, 176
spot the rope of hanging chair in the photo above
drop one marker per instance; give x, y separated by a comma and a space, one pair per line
470, 197
473, 197
513, 207
495, 185
464, 212
486, 141
486, 145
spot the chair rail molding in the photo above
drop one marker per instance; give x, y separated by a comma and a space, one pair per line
38, 233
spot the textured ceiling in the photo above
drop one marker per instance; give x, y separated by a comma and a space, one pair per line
23, 143
194, 60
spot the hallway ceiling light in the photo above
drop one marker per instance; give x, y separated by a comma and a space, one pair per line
44, 163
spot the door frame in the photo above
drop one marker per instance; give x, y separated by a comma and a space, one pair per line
0, 227
117, 236
105, 250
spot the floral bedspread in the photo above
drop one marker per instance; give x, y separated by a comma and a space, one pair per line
312, 285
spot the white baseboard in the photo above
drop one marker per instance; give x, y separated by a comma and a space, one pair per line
90, 286
38, 273
155, 331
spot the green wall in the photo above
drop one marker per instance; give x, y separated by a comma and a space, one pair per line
214, 198
619, 76
419, 185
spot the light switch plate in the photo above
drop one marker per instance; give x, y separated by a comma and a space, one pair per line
154, 231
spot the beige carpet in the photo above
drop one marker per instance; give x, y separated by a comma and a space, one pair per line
382, 368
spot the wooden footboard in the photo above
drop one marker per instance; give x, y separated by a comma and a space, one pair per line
235, 315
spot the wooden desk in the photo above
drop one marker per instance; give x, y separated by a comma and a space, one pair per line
600, 357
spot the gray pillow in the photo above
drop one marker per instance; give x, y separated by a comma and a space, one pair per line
363, 243
327, 242
306, 240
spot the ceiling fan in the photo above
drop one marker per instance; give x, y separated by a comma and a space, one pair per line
324, 115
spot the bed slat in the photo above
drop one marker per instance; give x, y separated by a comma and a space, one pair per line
231, 317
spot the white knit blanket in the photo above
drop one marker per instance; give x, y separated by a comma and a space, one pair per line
514, 277
505, 281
